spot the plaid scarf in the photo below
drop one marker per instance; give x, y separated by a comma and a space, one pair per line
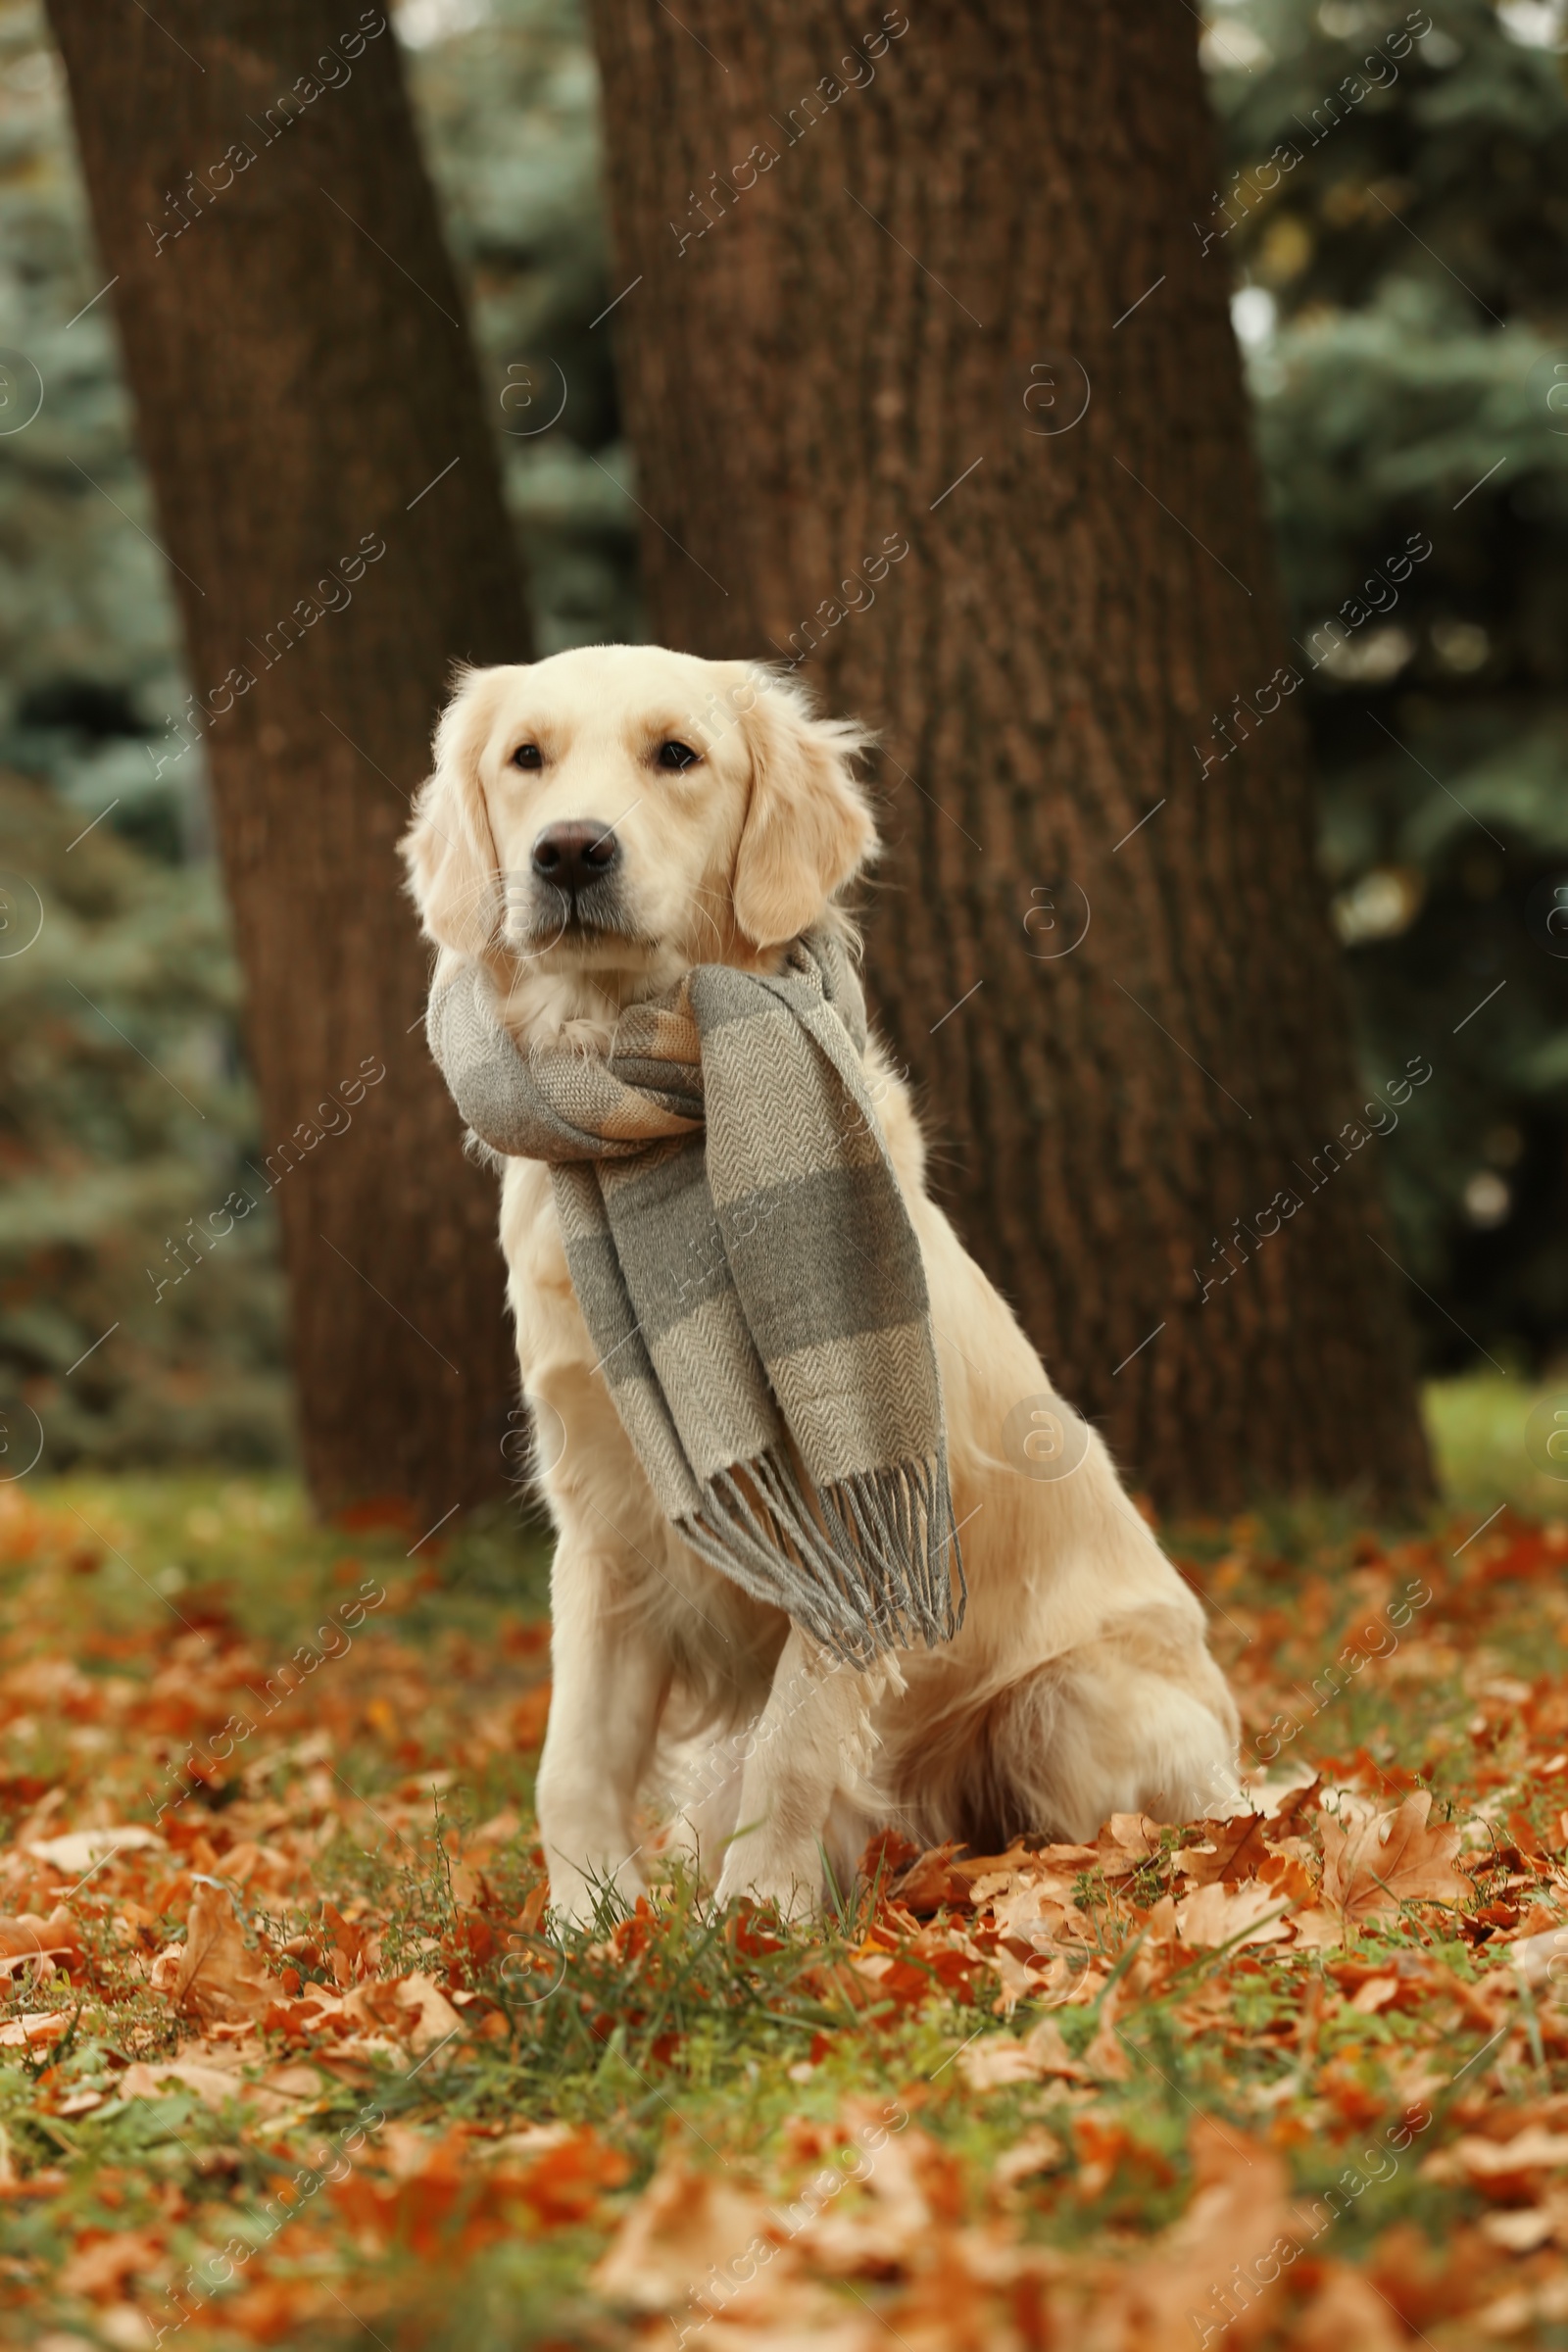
750, 1278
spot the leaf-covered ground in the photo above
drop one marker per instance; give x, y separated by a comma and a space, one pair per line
288, 2055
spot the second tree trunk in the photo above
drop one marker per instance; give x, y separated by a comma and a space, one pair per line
934, 392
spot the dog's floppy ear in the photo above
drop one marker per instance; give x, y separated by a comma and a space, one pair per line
808, 828
450, 851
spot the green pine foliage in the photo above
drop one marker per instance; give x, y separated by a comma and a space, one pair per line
1396, 212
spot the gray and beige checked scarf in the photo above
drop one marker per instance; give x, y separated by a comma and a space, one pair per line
750, 1279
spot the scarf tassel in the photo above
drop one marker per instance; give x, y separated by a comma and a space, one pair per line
877, 1575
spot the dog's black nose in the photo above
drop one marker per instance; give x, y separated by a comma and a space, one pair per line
574, 855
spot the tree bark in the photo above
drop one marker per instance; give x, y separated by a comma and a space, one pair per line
307, 393
871, 275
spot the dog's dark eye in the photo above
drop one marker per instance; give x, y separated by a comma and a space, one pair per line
527, 755
677, 756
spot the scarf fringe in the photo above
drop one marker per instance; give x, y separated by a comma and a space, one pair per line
885, 1571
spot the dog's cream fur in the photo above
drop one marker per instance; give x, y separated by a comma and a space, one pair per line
1081, 1683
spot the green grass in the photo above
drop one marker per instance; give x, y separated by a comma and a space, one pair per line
684, 2044
1478, 1428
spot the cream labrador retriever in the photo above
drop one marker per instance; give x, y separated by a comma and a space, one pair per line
596, 824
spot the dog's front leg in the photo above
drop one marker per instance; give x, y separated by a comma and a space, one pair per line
812, 1741
608, 1690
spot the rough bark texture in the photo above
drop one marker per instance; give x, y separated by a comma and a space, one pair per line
305, 390
869, 339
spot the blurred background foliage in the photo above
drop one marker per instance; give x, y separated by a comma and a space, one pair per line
1395, 212
1397, 234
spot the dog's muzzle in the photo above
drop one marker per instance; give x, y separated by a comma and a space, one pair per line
576, 882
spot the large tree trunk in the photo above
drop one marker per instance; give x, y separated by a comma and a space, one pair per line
307, 394
883, 335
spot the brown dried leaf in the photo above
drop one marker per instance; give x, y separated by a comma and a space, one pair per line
432, 2017
102, 2268
1038, 2151
1534, 1955
1039, 1912
1521, 2228
1106, 2056
683, 2227
1232, 1851
21, 2033
1374, 1866
1346, 2310
999, 2059
932, 1882
1285, 1808
1169, 2295
1288, 1878
28, 1935
214, 2086
1126, 1842
1217, 1914
219, 1978
1501, 2167
82, 1849
1317, 1929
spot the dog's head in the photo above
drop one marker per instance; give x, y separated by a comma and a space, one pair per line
627, 811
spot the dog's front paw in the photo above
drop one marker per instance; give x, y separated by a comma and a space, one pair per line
791, 1881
